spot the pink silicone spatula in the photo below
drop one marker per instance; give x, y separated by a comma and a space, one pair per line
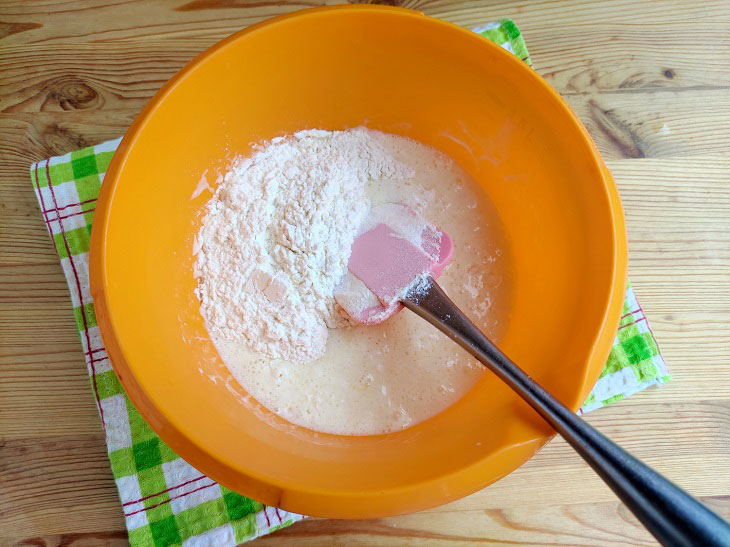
395, 246
394, 262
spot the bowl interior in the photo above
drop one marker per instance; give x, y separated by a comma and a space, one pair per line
399, 72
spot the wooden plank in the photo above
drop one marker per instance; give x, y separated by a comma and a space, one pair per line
656, 124
554, 14
26, 137
116, 538
619, 58
54, 22
54, 485
118, 76
50, 22
602, 523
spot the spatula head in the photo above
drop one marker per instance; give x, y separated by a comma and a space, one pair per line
395, 248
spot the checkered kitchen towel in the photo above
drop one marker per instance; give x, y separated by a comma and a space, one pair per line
165, 500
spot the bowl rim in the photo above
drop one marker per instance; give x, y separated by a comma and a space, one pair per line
263, 488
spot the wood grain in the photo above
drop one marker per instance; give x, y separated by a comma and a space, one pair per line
649, 79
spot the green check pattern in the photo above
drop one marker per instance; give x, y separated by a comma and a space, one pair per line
634, 362
165, 500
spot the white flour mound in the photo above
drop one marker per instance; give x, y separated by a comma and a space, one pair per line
276, 238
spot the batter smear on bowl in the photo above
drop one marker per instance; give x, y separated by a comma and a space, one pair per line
274, 246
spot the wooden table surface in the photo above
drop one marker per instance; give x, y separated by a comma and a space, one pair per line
650, 80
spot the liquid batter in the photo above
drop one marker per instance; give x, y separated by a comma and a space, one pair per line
383, 378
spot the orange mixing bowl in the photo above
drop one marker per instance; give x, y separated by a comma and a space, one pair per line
401, 72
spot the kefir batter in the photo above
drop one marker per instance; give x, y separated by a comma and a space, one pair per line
273, 245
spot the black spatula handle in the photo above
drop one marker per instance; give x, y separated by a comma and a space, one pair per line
668, 512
